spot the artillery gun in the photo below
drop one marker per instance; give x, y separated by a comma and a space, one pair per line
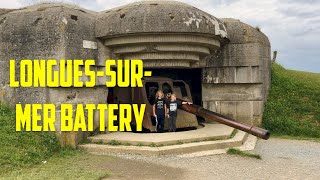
187, 114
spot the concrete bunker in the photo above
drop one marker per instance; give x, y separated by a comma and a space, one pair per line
228, 61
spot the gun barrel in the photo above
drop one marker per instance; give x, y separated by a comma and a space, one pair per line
200, 111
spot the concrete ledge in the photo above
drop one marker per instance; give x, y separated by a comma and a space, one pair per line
163, 38
161, 48
102, 149
183, 56
248, 145
237, 140
209, 132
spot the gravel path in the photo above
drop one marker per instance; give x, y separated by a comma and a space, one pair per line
281, 159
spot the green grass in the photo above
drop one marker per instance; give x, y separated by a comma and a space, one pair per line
99, 142
114, 143
140, 144
234, 151
234, 132
78, 166
179, 142
152, 145
38, 155
293, 106
296, 137
24, 149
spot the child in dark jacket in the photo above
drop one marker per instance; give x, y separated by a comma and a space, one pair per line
173, 105
159, 110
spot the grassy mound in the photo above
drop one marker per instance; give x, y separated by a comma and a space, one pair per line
293, 106
234, 151
24, 149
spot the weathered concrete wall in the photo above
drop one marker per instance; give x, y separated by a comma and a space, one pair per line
236, 78
158, 17
26, 34
49, 32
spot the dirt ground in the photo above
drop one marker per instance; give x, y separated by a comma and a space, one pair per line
281, 159
121, 168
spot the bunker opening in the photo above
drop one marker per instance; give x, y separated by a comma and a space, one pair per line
184, 83
192, 77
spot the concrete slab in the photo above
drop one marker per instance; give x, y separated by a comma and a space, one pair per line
248, 145
209, 132
237, 140
193, 149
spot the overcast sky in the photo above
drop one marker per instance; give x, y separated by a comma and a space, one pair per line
293, 26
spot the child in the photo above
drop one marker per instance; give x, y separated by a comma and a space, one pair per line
172, 111
159, 110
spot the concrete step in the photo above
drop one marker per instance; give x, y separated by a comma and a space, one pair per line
248, 145
178, 149
208, 132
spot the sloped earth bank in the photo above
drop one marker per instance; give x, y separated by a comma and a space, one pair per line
281, 159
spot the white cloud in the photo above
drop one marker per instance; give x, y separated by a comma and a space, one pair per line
292, 27
107, 4
12, 4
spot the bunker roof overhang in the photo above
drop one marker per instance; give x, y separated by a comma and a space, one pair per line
162, 33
